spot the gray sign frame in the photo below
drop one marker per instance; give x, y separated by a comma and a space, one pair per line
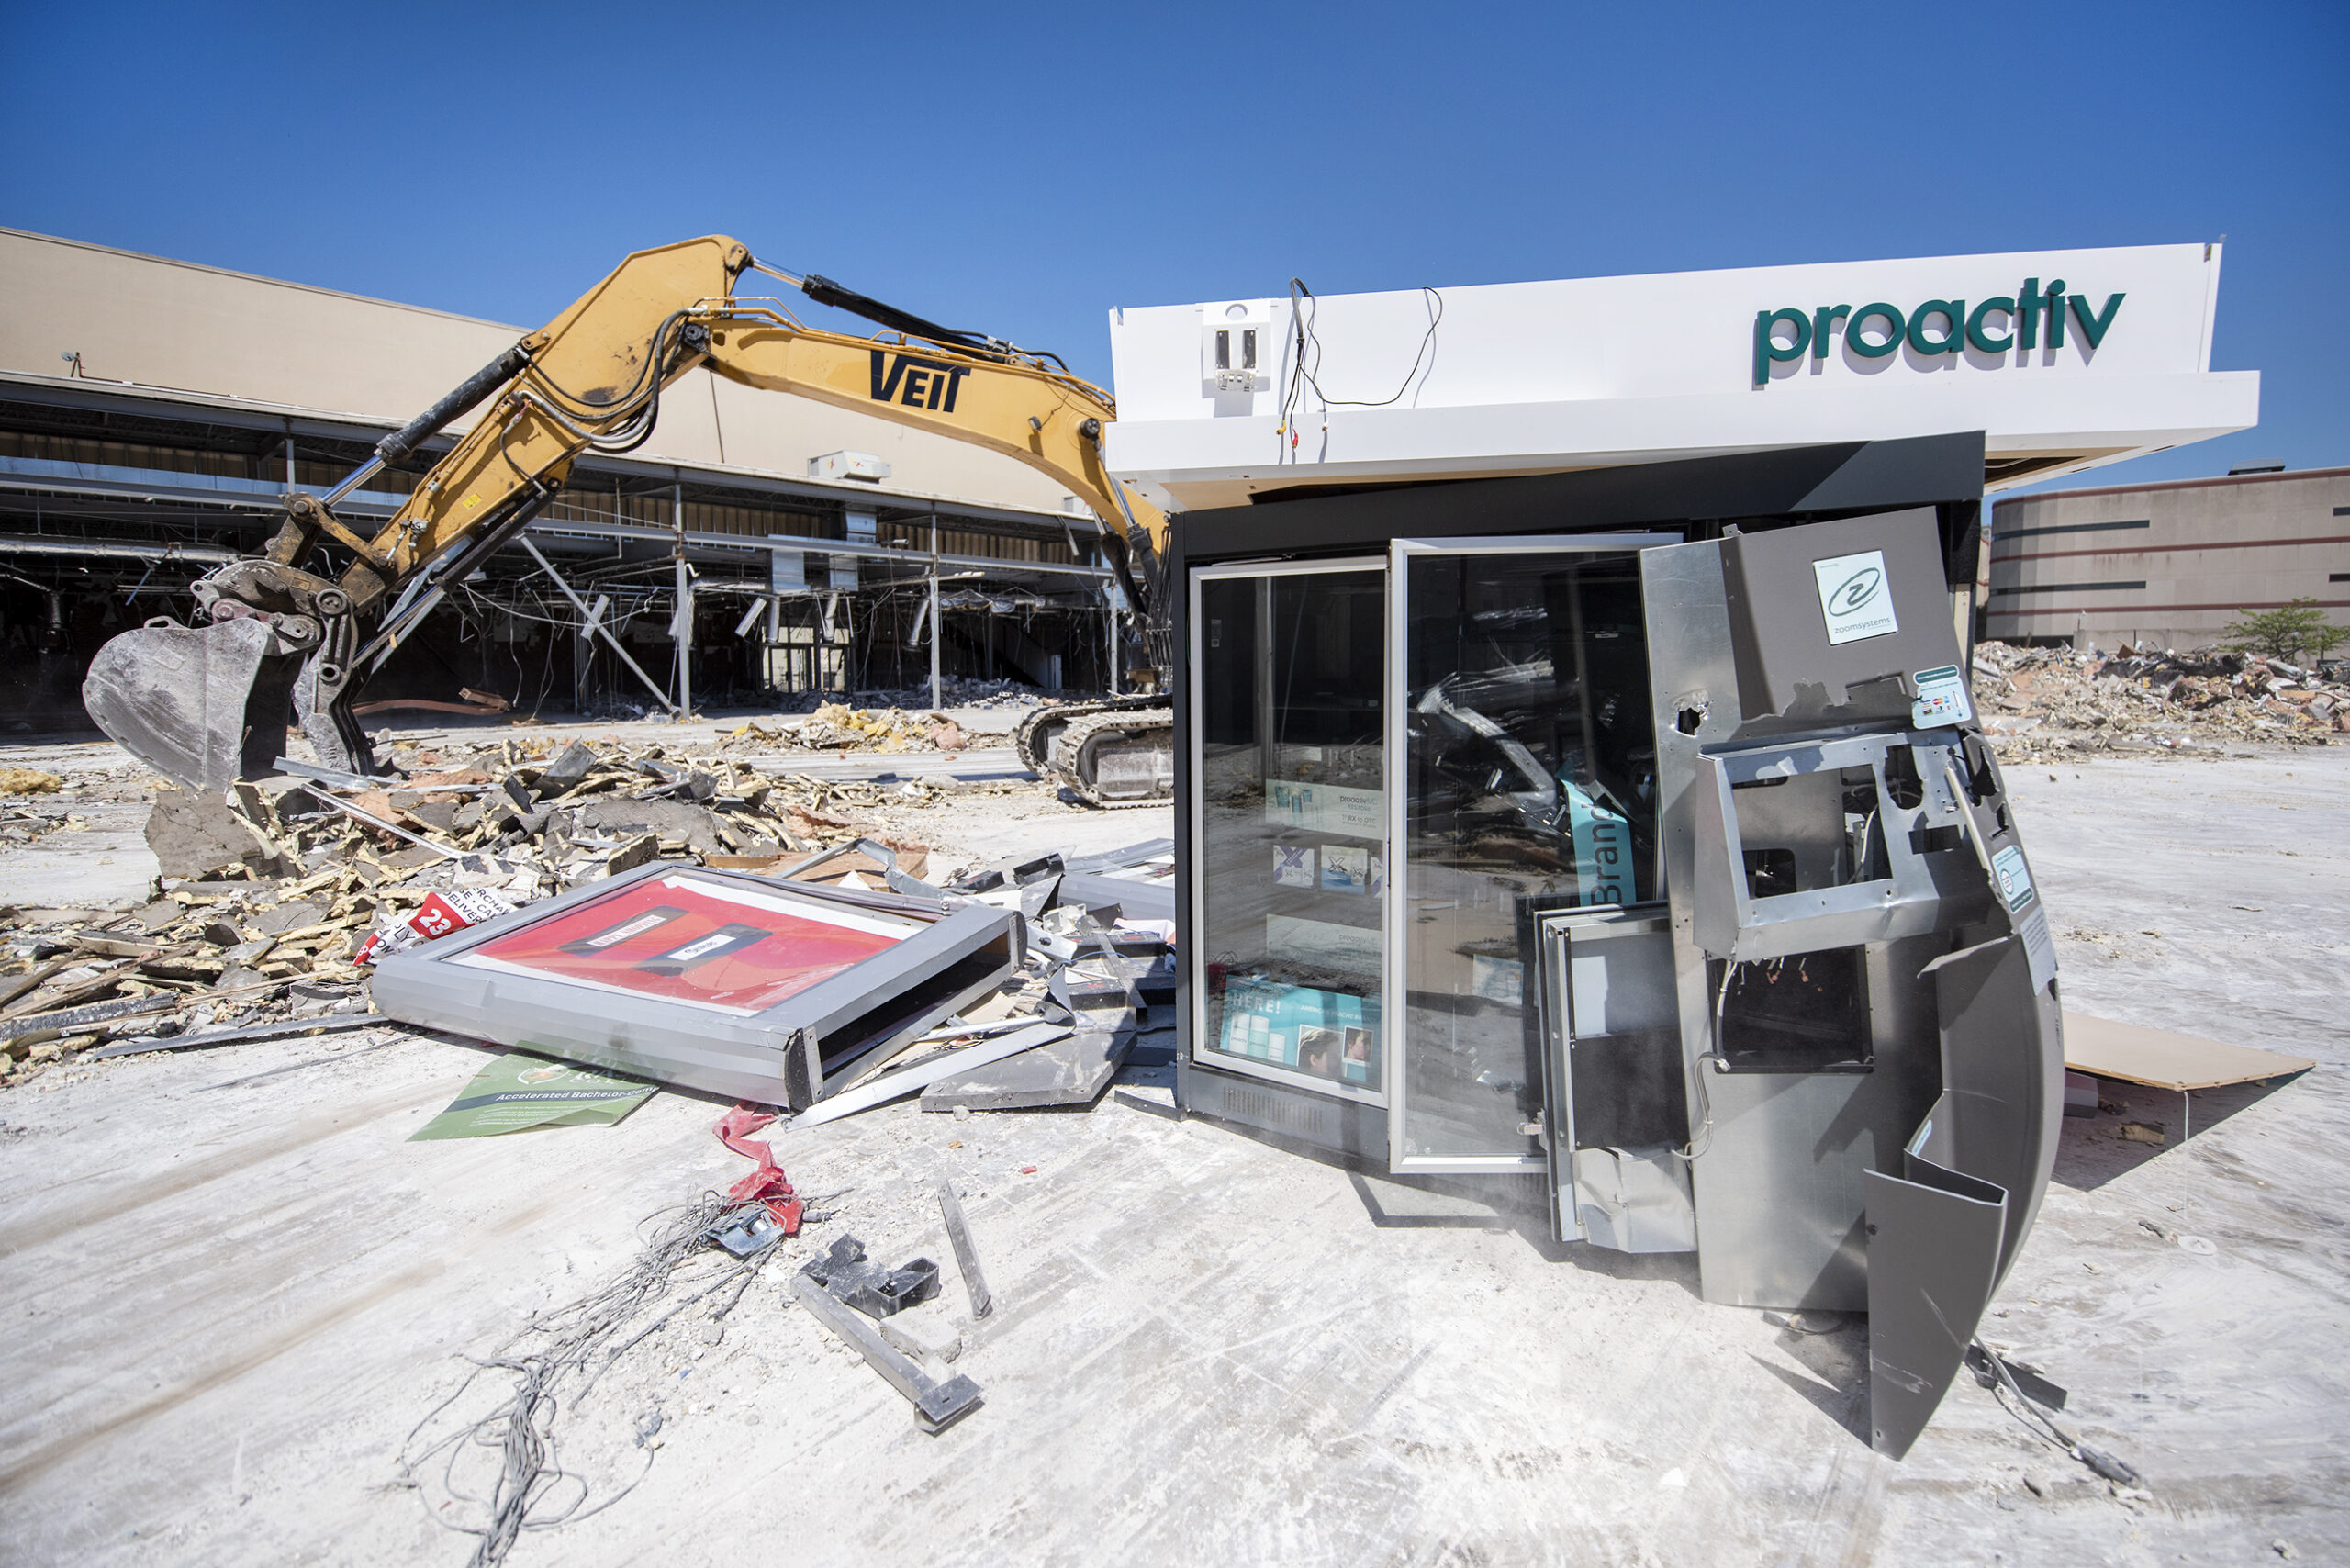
791, 1055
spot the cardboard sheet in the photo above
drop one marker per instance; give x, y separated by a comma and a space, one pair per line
2164, 1061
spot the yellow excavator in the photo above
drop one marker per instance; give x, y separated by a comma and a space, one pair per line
208, 704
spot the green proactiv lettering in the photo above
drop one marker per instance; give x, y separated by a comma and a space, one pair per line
1964, 328
1822, 319
1953, 311
1767, 351
1977, 337
2093, 327
1895, 321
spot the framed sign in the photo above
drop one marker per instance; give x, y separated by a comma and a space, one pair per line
718, 980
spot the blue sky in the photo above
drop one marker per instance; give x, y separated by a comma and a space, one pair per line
1019, 169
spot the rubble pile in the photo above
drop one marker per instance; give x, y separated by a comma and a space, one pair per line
836, 726
273, 900
2037, 702
24, 824
955, 691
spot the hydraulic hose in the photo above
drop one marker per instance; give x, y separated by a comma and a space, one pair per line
401, 445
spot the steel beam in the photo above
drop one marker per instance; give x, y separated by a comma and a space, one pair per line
591, 621
124, 549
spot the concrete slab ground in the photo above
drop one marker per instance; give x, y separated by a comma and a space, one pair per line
231, 1290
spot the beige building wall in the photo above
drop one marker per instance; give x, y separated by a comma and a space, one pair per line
2167, 563
154, 322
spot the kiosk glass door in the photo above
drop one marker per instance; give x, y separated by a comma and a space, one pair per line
1290, 822
1519, 716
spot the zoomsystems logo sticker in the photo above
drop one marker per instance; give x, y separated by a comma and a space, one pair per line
1854, 598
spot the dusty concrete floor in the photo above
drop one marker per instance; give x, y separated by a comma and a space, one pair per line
231, 1290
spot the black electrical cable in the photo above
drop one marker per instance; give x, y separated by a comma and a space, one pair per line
2043, 1425
568, 1349
1304, 309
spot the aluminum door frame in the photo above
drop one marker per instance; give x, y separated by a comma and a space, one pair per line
1196, 750
1555, 932
1397, 1007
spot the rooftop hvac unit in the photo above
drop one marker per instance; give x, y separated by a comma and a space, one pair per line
838, 466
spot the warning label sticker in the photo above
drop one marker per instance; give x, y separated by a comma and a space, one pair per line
1855, 598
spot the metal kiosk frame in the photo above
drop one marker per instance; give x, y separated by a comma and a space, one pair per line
1741, 957
792, 1054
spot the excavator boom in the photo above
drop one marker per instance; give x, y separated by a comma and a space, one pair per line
208, 705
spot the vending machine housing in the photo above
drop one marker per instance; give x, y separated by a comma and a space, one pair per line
1630, 831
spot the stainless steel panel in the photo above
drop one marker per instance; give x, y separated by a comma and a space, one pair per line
1779, 1158
1618, 1172
1885, 888
1933, 1237
2003, 1066
1778, 1177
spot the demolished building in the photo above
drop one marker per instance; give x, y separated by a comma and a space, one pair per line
761, 550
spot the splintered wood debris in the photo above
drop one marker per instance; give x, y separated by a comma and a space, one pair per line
269, 896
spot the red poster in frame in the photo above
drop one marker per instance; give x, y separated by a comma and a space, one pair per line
702, 942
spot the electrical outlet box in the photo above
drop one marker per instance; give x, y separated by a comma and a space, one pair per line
1236, 347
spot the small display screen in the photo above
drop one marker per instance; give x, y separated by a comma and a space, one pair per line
701, 940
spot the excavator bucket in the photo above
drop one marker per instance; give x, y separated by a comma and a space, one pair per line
202, 706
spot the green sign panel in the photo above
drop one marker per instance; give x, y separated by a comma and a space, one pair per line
517, 1093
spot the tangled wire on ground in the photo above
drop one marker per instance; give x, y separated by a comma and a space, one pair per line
558, 1356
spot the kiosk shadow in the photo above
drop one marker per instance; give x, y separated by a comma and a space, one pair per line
2093, 1150
1833, 1348
1518, 1208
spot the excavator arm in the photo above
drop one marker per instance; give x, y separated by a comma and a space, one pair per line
208, 705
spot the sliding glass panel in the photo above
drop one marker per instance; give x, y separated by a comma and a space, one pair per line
1290, 838
1529, 784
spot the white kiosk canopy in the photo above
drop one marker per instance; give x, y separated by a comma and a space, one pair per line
2067, 360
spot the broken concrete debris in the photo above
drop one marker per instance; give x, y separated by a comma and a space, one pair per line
923, 1342
28, 782
275, 898
283, 905
2039, 702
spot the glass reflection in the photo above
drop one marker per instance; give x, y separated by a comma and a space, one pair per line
1293, 846
1530, 784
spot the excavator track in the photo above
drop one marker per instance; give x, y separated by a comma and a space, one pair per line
1069, 745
